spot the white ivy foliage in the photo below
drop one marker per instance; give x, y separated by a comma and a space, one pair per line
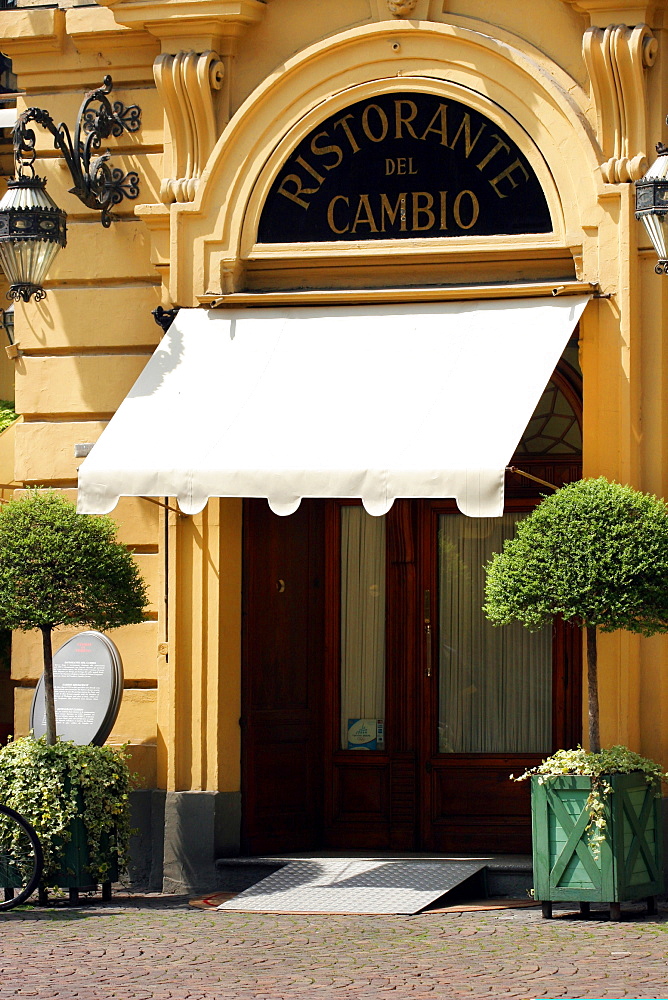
48, 784
597, 766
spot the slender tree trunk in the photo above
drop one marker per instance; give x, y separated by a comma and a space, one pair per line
49, 700
592, 688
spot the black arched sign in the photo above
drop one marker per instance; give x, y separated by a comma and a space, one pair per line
404, 166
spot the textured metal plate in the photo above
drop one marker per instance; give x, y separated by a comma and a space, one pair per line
353, 886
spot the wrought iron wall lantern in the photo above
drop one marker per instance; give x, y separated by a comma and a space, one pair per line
32, 227
652, 205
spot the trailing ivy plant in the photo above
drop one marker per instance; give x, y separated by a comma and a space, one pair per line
52, 785
597, 766
595, 553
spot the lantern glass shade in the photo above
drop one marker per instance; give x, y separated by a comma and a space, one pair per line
652, 206
32, 231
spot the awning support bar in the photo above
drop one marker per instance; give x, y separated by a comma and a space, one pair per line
527, 475
174, 510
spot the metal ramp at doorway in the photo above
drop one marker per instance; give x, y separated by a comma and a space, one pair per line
358, 885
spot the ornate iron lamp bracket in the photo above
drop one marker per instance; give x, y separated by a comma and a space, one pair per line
164, 317
97, 184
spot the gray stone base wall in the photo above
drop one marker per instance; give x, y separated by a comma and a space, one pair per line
199, 827
147, 842
178, 837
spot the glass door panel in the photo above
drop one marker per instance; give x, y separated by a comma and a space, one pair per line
362, 630
495, 684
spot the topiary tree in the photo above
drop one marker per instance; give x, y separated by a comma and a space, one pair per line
58, 567
594, 552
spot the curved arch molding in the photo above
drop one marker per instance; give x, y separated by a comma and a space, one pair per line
214, 234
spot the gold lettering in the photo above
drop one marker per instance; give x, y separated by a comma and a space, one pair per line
330, 214
324, 150
307, 166
401, 164
424, 209
442, 115
386, 209
410, 166
400, 120
444, 202
299, 190
367, 219
465, 126
390, 167
500, 145
384, 125
343, 122
474, 208
507, 174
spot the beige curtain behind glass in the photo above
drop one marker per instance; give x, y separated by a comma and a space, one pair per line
495, 684
362, 617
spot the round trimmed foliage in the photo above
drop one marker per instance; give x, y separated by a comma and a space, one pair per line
594, 552
58, 567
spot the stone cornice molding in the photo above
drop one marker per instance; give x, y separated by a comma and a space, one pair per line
187, 83
617, 57
180, 18
32, 32
601, 13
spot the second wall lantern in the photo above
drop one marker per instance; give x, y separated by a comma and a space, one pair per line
32, 227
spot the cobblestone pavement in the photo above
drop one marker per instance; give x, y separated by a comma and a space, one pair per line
159, 948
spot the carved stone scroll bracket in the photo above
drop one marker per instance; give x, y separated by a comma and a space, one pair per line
617, 58
188, 83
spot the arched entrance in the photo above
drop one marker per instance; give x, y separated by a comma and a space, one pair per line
380, 709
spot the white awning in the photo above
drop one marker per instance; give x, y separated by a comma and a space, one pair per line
375, 402
8, 117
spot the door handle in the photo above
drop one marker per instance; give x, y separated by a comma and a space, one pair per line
427, 630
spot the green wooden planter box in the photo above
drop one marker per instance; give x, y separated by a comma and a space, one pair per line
630, 863
74, 872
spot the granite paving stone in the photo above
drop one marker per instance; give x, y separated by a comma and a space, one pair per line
153, 947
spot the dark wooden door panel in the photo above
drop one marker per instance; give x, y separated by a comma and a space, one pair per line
282, 682
468, 801
370, 796
476, 806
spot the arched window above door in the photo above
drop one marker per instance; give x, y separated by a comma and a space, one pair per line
555, 426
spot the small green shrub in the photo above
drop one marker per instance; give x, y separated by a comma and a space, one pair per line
45, 784
7, 414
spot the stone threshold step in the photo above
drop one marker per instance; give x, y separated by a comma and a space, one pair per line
499, 862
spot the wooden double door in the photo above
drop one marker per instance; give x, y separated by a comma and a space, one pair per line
380, 711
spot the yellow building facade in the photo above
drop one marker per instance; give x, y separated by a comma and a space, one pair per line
571, 95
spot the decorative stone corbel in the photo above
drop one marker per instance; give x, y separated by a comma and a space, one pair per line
616, 59
187, 82
401, 8
418, 10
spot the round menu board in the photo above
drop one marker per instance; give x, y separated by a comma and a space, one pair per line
88, 687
